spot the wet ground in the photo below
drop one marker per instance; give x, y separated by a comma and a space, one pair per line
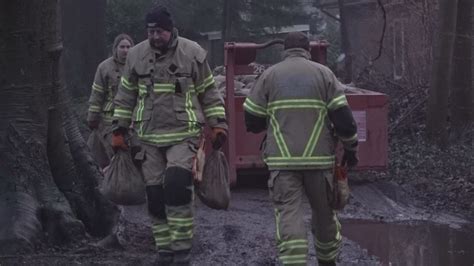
381, 226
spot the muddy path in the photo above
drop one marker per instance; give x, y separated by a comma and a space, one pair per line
381, 226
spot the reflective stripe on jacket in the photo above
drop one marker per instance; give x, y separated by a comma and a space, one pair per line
295, 97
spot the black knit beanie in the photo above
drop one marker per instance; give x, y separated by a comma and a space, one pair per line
159, 17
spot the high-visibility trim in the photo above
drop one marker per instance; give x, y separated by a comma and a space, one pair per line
288, 259
300, 161
168, 137
161, 234
314, 137
94, 109
107, 119
296, 103
329, 256
329, 250
218, 111
205, 84
140, 109
127, 85
161, 230
108, 106
182, 234
97, 87
279, 137
293, 243
254, 108
164, 87
163, 241
142, 91
328, 246
338, 236
354, 137
178, 220
122, 113
277, 222
293, 262
337, 102
192, 119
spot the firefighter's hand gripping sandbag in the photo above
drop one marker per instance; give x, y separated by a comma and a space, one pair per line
212, 185
123, 183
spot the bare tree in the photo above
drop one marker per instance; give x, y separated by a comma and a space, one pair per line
461, 106
227, 15
345, 43
437, 111
48, 181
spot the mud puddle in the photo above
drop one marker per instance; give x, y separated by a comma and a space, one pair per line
414, 243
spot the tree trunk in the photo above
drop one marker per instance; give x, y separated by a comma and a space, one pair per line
461, 107
84, 42
437, 111
345, 43
227, 20
48, 180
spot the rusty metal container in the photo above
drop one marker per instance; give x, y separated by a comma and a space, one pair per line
370, 110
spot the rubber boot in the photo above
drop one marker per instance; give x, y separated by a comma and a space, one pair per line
164, 259
326, 263
182, 258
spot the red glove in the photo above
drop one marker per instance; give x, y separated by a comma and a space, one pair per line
93, 124
118, 141
219, 137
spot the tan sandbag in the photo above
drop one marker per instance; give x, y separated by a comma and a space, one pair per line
341, 191
214, 190
97, 146
123, 184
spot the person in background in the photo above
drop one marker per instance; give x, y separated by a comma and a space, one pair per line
104, 88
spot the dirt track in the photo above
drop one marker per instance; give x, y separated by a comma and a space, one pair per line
244, 235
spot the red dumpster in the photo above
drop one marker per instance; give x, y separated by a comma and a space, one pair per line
370, 111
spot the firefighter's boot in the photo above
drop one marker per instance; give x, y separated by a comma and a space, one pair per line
326, 263
164, 259
182, 258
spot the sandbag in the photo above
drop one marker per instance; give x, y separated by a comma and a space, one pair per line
214, 189
97, 146
341, 191
123, 184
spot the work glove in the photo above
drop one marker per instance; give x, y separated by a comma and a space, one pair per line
93, 124
219, 137
350, 158
118, 139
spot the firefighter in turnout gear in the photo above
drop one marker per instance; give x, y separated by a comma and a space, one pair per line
302, 107
104, 88
167, 91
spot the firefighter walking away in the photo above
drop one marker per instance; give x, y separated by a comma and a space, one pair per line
302, 107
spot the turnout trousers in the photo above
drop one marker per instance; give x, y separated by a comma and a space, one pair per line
169, 185
287, 189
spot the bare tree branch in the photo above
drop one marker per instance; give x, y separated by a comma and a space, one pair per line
383, 30
329, 15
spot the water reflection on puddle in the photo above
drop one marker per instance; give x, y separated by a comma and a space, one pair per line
417, 244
